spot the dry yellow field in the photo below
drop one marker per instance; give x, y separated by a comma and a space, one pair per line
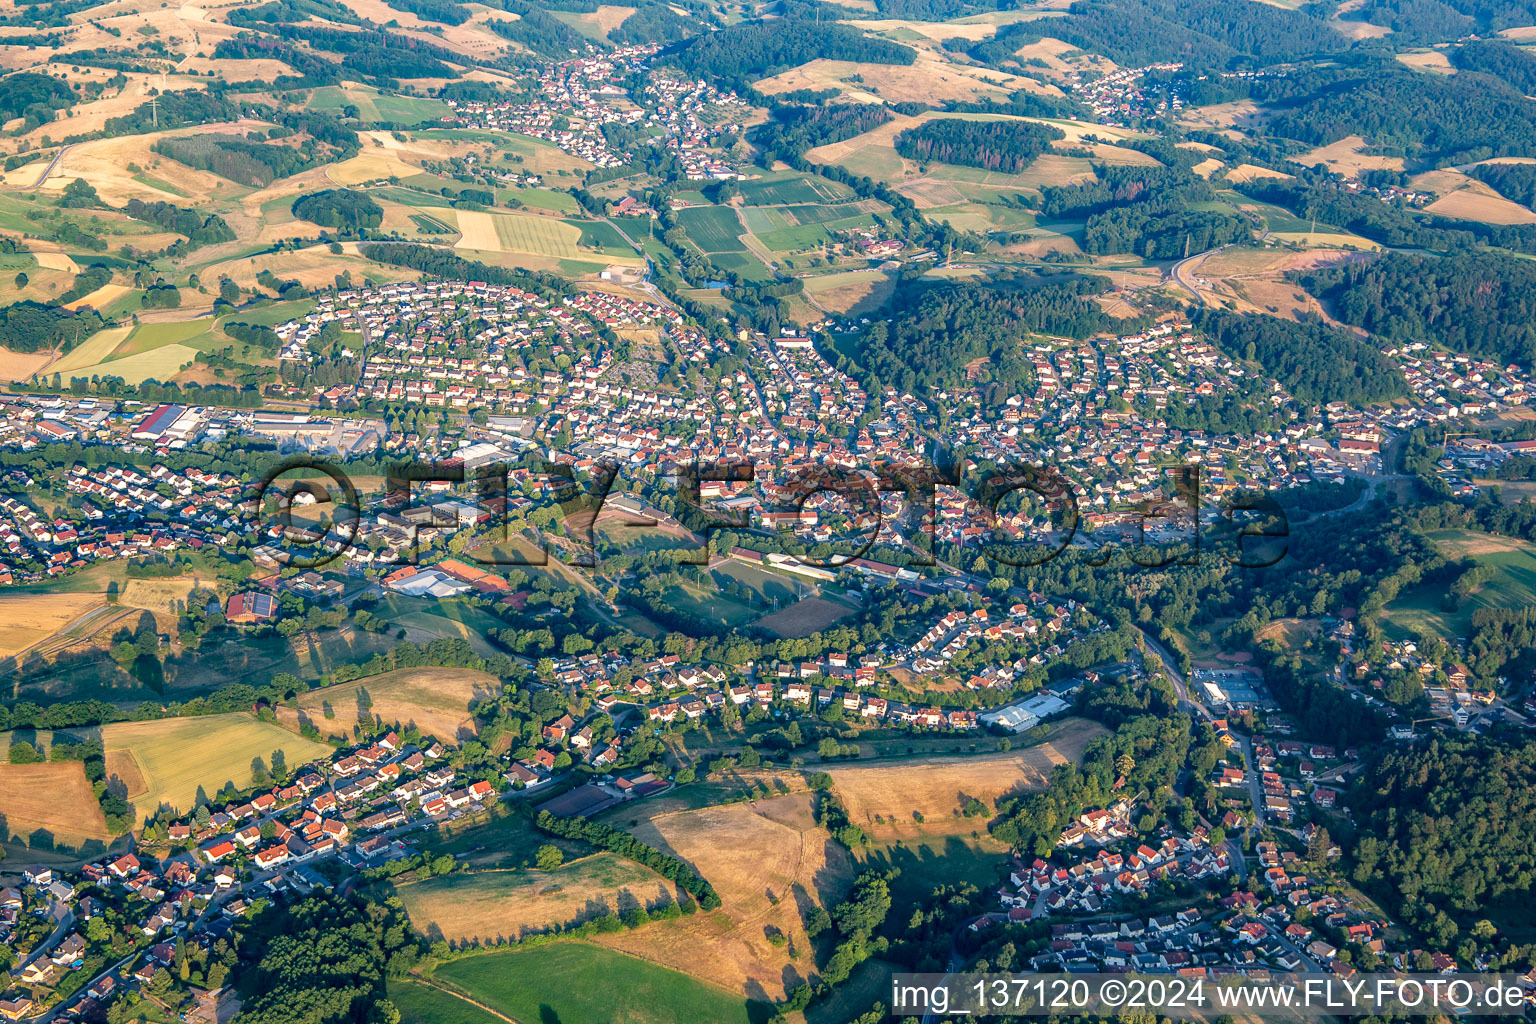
437, 700
928, 80
1207, 167
515, 902
477, 230
1325, 238
54, 798
770, 863
159, 364
101, 297
16, 366
1251, 172
1347, 157
854, 292
1429, 60
938, 31
882, 797
178, 757
26, 619
164, 596
56, 261
371, 165
1466, 204
104, 163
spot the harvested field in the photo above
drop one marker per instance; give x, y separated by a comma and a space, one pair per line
16, 366
437, 700
1348, 157
178, 757
489, 905
1466, 204
1251, 172
883, 798
27, 619
749, 852
1430, 60
929, 80
371, 165
54, 798
101, 298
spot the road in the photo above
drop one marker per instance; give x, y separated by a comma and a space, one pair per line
1187, 264
1179, 685
46, 171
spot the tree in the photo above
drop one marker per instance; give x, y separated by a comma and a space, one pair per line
549, 857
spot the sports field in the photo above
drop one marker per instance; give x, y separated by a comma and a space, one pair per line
515, 902
167, 762
437, 700
580, 982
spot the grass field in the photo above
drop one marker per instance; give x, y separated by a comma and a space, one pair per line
54, 798
585, 984
773, 191
770, 863
1513, 586
852, 294
176, 757
428, 619
516, 902
437, 700
420, 1003
712, 228
884, 798
149, 351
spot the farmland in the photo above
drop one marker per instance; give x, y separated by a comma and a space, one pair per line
577, 981
176, 758
515, 902
769, 862
55, 798
712, 228
420, 1003
912, 799
27, 619
435, 700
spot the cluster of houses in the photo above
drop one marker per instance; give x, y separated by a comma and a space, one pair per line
1120, 97
576, 99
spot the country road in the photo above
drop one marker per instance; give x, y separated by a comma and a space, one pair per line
41, 177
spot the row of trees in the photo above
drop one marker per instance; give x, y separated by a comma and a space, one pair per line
606, 837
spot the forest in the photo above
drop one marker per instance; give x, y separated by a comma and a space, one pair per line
1008, 146
754, 49
1434, 119
1481, 305
1140, 32
1145, 210
936, 333
1445, 832
30, 326
1515, 182
1316, 363
200, 230
341, 208
536, 29
1434, 21
1505, 61
1390, 223
795, 128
